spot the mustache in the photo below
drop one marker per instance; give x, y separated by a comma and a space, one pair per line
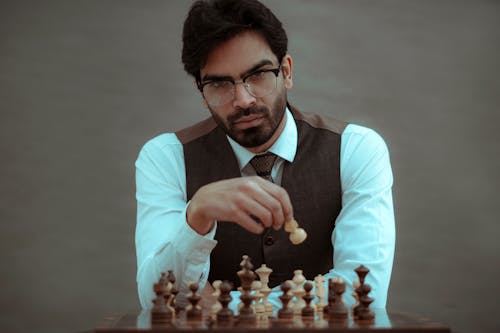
240, 112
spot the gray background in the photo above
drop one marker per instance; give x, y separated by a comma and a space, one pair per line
84, 84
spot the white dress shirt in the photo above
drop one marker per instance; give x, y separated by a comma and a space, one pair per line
364, 231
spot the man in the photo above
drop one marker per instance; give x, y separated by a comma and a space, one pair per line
201, 203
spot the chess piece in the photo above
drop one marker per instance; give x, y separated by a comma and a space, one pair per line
174, 292
161, 313
264, 272
216, 306
336, 307
362, 311
285, 312
247, 313
297, 235
298, 291
225, 314
319, 282
194, 310
308, 311
260, 309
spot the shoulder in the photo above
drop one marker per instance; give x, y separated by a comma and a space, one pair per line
319, 121
356, 137
163, 141
195, 131
162, 149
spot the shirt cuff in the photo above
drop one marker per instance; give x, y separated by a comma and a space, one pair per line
189, 241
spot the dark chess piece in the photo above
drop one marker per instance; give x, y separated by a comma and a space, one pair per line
161, 313
337, 309
225, 315
362, 311
194, 312
308, 310
247, 313
285, 312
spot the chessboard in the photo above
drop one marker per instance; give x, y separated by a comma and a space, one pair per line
298, 312
384, 322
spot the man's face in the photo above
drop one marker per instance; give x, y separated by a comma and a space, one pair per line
250, 121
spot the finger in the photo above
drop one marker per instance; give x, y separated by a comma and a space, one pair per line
274, 215
245, 221
280, 194
245, 201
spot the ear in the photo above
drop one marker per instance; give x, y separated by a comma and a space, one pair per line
287, 69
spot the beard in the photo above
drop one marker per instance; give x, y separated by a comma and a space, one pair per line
258, 135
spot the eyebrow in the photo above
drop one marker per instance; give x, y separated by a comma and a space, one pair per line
210, 77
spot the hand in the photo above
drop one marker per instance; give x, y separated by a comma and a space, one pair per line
240, 200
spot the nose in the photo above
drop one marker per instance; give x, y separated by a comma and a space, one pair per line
242, 98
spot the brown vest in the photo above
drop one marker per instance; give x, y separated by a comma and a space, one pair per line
312, 182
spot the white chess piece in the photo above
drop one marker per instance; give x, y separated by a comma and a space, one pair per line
319, 282
216, 306
298, 292
297, 235
263, 272
260, 309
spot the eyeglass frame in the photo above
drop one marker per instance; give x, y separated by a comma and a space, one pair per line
275, 71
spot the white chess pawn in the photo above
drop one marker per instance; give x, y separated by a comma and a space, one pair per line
260, 309
298, 291
319, 282
297, 235
216, 306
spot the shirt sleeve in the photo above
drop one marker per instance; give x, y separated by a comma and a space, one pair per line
364, 232
164, 240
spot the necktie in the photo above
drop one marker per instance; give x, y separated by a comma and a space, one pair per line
263, 164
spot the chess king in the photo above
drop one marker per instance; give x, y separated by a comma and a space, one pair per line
227, 186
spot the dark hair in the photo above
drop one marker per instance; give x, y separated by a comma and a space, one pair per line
212, 22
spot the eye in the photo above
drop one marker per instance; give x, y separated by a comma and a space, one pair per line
218, 85
256, 77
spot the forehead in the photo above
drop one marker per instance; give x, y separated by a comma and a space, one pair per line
237, 55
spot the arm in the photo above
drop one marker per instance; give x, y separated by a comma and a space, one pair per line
163, 238
365, 230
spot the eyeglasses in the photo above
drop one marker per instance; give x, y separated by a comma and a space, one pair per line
258, 84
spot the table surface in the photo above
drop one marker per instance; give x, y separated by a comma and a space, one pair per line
384, 322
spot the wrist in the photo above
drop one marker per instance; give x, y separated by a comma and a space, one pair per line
197, 221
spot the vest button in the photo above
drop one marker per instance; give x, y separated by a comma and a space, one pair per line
269, 240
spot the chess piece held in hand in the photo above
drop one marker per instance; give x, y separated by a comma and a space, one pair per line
297, 234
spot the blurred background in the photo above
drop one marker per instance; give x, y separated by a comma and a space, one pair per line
84, 84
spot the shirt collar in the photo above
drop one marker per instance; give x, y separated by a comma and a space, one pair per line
285, 146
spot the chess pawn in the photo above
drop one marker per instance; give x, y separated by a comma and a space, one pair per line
264, 272
308, 310
225, 314
216, 306
298, 292
285, 312
260, 309
297, 235
319, 282
194, 310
